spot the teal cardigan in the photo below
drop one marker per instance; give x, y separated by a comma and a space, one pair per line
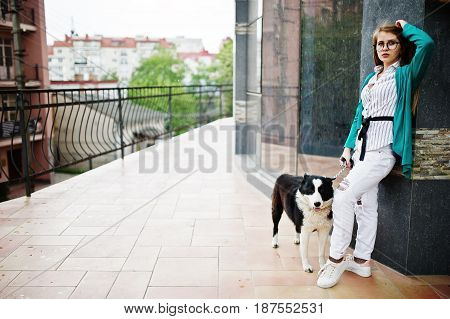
407, 79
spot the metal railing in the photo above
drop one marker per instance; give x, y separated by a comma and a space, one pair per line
43, 130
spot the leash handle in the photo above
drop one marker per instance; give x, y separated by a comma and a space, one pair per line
344, 162
344, 166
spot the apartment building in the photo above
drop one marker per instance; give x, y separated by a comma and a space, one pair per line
35, 65
32, 25
93, 58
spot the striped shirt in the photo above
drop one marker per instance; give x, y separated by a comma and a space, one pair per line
379, 98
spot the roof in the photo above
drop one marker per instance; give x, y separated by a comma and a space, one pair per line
118, 43
195, 55
110, 42
83, 82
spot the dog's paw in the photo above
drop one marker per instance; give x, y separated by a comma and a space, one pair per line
308, 268
297, 239
275, 241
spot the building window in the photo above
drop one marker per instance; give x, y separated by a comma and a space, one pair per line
6, 60
9, 100
80, 60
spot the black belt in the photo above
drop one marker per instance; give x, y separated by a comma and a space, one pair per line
365, 127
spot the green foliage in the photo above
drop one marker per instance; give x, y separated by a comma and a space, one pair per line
184, 110
219, 72
162, 68
203, 75
110, 76
224, 61
224, 73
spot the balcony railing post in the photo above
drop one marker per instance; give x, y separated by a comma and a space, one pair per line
90, 162
170, 112
220, 101
120, 123
25, 142
199, 111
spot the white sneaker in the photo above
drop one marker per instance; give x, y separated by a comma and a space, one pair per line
330, 273
362, 270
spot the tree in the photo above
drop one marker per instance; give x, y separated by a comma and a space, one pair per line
111, 75
219, 72
225, 72
225, 63
202, 74
162, 68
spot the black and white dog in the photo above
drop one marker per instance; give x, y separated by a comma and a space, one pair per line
307, 201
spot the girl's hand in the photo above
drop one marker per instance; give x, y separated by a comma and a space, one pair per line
345, 158
400, 23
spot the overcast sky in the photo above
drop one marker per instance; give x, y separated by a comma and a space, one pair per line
210, 20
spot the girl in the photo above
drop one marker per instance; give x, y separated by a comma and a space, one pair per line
381, 129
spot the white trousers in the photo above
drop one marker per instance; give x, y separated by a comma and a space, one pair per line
360, 184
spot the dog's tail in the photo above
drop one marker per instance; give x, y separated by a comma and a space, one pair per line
277, 207
276, 198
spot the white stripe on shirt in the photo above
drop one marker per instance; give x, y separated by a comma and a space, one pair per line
379, 98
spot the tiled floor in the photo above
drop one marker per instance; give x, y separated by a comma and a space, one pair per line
133, 229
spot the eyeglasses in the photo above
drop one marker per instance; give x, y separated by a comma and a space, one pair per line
391, 45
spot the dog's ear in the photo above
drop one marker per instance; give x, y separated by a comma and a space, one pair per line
330, 179
302, 184
303, 180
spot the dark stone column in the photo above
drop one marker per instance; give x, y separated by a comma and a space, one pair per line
428, 251
413, 218
240, 75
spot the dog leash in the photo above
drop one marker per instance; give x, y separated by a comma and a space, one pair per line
339, 173
344, 166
